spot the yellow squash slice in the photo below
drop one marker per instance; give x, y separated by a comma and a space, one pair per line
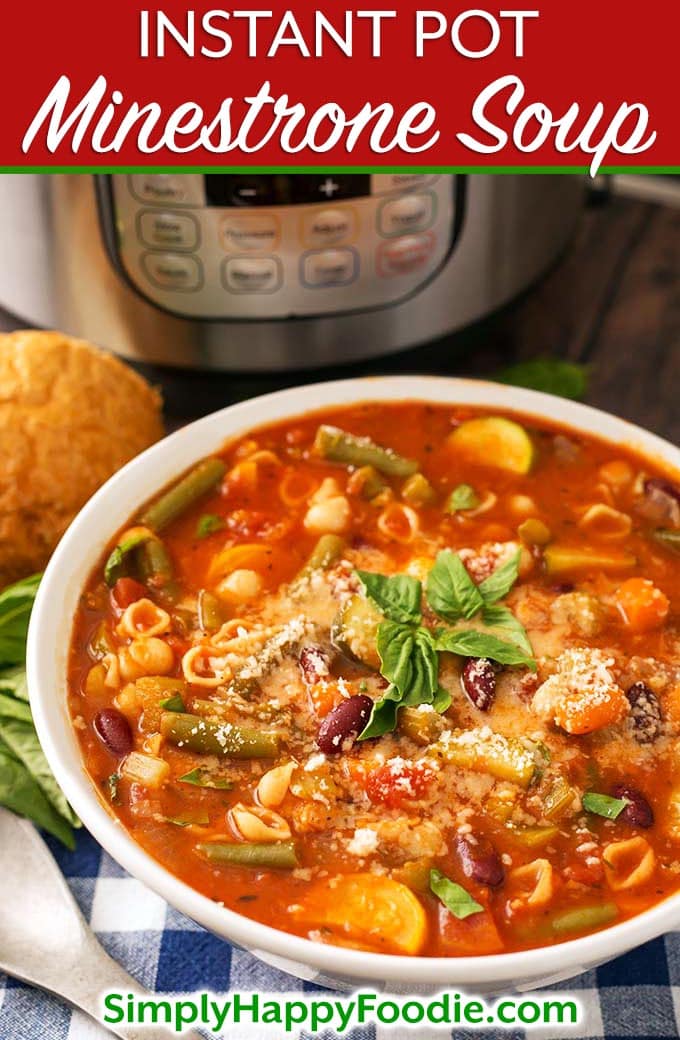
368, 912
494, 441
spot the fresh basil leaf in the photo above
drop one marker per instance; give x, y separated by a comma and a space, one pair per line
462, 497
383, 718
16, 602
471, 642
174, 703
454, 897
22, 741
503, 623
408, 660
208, 524
13, 681
11, 708
116, 564
498, 584
205, 778
603, 805
21, 793
450, 590
398, 596
441, 700
551, 375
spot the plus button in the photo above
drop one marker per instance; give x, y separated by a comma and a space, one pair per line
329, 187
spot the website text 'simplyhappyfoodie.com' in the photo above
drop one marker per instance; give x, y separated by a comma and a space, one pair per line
287, 1013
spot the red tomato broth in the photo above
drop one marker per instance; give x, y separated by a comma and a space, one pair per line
561, 486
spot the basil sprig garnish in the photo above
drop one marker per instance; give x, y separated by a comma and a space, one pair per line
409, 652
398, 596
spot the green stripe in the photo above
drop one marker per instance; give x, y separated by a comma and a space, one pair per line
340, 169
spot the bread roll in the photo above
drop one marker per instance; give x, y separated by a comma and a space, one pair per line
70, 416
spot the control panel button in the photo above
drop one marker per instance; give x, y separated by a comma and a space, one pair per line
328, 187
162, 189
245, 274
173, 271
413, 212
328, 267
243, 190
256, 233
158, 228
327, 226
405, 255
383, 183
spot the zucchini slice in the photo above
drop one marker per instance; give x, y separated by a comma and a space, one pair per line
355, 629
494, 441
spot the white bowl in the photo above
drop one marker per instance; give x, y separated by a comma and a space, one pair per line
50, 636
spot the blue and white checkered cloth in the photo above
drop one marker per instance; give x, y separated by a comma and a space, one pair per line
636, 996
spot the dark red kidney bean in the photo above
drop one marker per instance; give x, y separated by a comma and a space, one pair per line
343, 724
314, 664
638, 812
480, 861
478, 679
113, 729
644, 719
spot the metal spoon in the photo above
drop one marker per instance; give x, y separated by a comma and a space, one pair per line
44, 939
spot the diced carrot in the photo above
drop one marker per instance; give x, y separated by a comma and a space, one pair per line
324, 697
393, 784
583, 711
642, 605
476, 934
368, 911
127, 591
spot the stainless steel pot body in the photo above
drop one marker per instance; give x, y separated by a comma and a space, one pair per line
272, 273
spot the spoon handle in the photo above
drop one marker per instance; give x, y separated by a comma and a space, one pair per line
101, 973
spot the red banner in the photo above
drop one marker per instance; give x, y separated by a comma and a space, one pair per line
543, 84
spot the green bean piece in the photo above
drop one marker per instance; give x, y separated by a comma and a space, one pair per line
217, 738
117, 564
585, 918
325, 553
281, 855
155, 564
418, 491
201, 479
339, 446
209, 612
369, 481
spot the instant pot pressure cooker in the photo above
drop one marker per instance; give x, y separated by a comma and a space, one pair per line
269, 272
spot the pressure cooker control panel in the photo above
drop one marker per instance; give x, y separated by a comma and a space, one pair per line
226, 246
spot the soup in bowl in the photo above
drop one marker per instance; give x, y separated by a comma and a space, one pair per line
392, 669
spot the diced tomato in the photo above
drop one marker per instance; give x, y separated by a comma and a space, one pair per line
397, 782
476, 934
127, 591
